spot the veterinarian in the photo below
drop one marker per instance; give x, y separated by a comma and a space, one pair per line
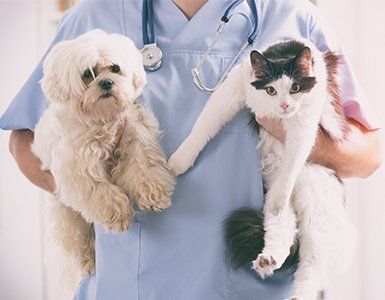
179, 254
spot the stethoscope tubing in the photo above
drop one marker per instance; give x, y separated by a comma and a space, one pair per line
148, 22
149, 39
254, 12
249, 40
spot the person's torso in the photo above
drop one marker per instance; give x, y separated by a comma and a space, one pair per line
180, 253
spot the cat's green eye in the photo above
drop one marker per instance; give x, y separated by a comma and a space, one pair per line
271, 91
295, 88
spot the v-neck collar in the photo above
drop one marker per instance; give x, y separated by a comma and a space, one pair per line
173, 28
181, 12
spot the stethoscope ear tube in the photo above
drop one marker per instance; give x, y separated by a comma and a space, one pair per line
198, 80
250, 39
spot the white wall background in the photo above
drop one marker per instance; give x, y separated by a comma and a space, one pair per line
20, 245
25, 28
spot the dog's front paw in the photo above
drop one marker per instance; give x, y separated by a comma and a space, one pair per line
158, 206
155, 196
264, 265
181, 160
120, 225
118, 217
115, 212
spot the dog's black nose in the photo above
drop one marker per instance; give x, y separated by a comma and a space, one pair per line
106, 84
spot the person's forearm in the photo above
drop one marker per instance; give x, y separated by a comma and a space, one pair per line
359, 155
20, 147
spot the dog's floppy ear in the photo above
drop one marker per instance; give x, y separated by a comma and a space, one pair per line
51, 83
139, 80
130, 58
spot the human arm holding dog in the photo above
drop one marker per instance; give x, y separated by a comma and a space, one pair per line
20, 142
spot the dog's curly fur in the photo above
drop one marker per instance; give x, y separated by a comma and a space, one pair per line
93, 83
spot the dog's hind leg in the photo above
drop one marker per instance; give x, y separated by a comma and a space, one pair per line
75, 236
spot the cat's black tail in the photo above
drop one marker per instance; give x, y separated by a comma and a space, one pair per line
244, 235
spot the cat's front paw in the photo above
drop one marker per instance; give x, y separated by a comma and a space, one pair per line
264, 265
181, 161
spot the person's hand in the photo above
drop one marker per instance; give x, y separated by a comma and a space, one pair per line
273, 126
49, 182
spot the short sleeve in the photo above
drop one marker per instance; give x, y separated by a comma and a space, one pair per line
28, 105
356, 105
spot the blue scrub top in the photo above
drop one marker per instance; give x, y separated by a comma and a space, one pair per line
179, 254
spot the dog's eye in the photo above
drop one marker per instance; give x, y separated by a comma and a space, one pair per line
87, 74
115, 69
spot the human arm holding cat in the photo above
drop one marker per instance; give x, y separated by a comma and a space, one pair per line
359, 155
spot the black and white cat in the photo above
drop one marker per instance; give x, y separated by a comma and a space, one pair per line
297, 83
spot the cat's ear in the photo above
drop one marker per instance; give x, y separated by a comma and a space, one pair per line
304, 60
258, 61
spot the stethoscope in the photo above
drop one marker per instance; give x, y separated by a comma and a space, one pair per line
152, 54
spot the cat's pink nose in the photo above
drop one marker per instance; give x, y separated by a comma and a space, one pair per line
284, 106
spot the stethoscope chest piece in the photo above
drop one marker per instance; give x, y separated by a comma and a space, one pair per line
152, 57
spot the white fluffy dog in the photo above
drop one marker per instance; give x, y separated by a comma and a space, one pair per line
93, 83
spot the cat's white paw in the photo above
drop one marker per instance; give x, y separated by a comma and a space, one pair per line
177, 164
181, 160
264, 265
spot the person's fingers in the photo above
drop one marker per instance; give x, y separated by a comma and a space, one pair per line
272, 126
